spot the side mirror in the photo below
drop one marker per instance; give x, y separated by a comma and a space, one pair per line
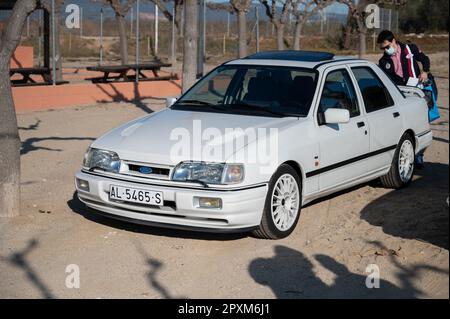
170, 101
336, 116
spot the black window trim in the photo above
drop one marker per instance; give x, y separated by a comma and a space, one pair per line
382, 83
319, 115
247, 65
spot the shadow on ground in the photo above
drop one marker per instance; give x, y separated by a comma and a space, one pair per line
18, 259
29, 145
155, 266
419, 211
118, 96
78, 207
289, 274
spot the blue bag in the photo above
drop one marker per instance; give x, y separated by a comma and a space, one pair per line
430, 95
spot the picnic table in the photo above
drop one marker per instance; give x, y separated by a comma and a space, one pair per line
27, 80
120, 73
26, 74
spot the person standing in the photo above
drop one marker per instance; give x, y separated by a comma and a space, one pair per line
401, 63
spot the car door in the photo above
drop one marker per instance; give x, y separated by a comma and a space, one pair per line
341, 144
383, 116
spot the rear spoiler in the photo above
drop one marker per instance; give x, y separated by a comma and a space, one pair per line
411, 91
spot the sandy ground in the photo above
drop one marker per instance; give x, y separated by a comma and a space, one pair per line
405, 233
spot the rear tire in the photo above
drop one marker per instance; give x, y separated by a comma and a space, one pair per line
282, 206
403, 165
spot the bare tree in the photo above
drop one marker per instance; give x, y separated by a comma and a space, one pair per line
278, 17
190, 44
241, 8
348, 31
47, 4
303, 10
121, 9
9, 134
178, 9
357, 9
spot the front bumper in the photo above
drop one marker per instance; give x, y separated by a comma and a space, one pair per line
241, 208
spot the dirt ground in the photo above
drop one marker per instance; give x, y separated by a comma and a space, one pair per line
405, 233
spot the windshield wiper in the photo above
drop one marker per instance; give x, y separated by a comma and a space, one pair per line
218, 107
254, 107
195, 102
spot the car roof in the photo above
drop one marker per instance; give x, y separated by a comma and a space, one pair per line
305, 59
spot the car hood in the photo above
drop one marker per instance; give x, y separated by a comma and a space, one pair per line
165, 136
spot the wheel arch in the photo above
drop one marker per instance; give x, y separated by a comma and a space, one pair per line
411, 133
297, 167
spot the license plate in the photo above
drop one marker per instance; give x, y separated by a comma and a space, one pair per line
135, 195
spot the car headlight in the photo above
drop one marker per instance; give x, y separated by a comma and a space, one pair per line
102, 159
210, 173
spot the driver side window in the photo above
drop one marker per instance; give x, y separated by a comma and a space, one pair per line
338, 92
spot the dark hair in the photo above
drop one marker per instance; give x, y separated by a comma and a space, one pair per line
385, 35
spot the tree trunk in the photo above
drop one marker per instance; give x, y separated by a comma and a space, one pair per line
348, 32
190, 44
58, 57
242, 34
10, 144
9, 134
362, 44
362, 32
121, 25
348, 37
280, 36
297, 35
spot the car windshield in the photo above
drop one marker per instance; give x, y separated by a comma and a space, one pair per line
253, 90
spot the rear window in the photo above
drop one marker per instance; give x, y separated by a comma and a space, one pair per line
376, 96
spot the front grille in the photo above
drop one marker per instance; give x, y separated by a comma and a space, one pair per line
154, 170
146, 170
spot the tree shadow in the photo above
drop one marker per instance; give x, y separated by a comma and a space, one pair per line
419, 211
29, 144
18, 259
90, 214
118, 96
31, 127
289, 274
407, 274
155, 266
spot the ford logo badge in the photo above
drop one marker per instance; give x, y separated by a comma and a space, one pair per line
145, 170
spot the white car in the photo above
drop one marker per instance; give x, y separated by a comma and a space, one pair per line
329, 123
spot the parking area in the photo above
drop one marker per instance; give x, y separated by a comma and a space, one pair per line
405, 233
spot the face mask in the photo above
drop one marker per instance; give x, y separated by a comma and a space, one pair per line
390, 51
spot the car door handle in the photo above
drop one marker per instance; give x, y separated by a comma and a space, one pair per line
396, 114
361, 124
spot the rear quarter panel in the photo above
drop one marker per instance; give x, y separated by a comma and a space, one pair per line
415, 111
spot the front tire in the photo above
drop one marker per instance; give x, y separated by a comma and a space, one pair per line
403, 165
282, 206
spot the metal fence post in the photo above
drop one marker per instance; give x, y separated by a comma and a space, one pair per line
101, 36
257, 28
174, 39
156, 28
53, 43
137, 41
40, 39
